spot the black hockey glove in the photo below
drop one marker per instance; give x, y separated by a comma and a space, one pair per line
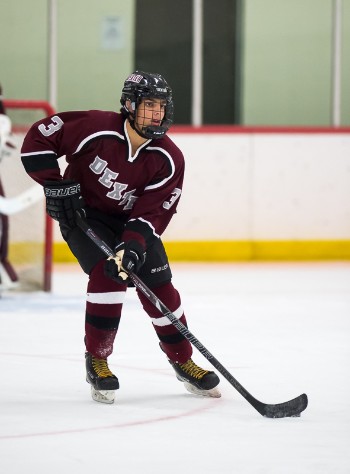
130, 256
62, 200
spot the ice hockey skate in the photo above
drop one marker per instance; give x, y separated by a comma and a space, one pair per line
8, 276
103, 382
196, 380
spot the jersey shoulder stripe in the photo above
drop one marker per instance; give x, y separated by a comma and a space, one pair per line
102, 133
172, 167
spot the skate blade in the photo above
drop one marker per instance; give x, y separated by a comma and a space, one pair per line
103, 396
213, 393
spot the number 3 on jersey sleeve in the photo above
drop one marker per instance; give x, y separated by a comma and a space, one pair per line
52, 127
174, 197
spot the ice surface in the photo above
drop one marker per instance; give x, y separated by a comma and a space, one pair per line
280, 329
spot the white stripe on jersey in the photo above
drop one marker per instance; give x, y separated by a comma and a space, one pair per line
46, 152
165, 321
133, 158
172, 164
148, 223
97, 134
113, 297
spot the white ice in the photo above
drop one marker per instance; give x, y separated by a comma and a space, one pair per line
280, 329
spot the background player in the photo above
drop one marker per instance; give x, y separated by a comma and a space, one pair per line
127, 174
8, 276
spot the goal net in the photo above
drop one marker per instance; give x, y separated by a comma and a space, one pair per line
29, 228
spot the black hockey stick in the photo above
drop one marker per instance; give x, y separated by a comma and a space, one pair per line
280, 410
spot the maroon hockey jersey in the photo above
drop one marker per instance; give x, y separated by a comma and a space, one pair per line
143, 188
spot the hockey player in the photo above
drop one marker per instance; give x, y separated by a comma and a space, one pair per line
8, 276
127, 174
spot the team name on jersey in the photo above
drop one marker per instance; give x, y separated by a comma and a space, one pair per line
108, 179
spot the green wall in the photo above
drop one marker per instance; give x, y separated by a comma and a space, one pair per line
23, 49
345, 119
287, 77
89, 74
286, 56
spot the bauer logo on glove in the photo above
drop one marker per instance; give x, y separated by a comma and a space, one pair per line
62, 191
63, 198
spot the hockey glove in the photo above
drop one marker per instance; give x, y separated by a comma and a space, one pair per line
62, 200
130, 256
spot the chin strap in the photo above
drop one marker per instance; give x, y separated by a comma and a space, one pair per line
132, 124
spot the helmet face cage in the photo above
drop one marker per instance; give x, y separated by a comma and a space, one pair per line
142, 85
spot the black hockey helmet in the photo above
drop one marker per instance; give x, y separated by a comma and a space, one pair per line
140, 85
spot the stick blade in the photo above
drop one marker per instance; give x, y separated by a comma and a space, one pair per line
284, 410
